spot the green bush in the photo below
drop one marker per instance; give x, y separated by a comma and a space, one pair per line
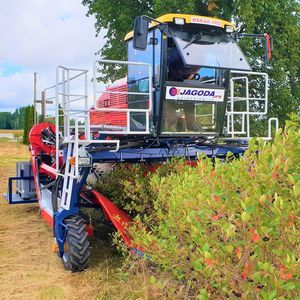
128, 185
223, 229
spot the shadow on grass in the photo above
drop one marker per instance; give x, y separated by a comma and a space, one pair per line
102, 249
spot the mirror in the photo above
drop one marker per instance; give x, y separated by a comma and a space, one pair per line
140, 33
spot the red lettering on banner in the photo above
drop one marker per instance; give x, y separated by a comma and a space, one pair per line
206, 21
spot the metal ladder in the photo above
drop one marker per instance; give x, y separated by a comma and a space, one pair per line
244, 78
71, 114
69, 177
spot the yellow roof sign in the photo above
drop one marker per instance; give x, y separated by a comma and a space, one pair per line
189, 19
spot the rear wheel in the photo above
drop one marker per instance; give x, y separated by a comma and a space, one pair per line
77, 251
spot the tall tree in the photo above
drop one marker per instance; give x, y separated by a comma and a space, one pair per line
28, 123
26, 130
280, 18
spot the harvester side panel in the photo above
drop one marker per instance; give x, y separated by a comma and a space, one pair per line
112, 100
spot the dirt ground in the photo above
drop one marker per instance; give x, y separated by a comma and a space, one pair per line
30, 270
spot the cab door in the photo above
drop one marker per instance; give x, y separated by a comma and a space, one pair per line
138, 80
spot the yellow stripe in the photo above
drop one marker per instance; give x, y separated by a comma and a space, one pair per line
189, 19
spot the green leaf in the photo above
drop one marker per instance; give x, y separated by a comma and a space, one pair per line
206, 247
250, 209
203, 295
245, 216
229, 248
272, 295
288, 286
152, 280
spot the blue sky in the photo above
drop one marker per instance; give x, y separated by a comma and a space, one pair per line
7, 69
37, 36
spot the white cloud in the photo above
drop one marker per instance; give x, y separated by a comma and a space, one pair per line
38, 35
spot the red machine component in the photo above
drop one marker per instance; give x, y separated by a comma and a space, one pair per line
37, 149
269, 46
112, 213
111, 100
35, 139
40, 149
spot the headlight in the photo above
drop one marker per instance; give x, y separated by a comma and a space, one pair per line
179, 21
229, 29
84, 161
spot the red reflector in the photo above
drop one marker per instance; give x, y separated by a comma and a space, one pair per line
89, 230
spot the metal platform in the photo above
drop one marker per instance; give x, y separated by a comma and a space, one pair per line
162, 154
14, 198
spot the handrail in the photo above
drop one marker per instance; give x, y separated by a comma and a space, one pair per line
147, 111
246, 112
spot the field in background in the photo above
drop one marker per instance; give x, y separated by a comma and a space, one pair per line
30, 270
11, 131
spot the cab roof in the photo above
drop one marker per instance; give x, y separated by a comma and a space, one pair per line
189, 19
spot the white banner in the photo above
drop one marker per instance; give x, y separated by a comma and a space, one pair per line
195, 94
206, 21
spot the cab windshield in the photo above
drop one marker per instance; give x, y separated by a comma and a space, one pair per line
198, 64
209, 49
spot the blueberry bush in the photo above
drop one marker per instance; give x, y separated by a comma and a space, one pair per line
223, 230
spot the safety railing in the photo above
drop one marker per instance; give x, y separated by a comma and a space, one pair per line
69, 111
211, 116
106, 128
79, 145
247, 103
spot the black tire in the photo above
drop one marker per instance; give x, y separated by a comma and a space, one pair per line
77, 250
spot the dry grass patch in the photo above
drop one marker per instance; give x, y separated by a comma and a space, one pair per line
13, 131
30, 270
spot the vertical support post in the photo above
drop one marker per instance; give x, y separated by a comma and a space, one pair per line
270, 126
128, 120
76, 145
266, 93
67, 126
64, 108
94, 82
34, 96
86, 107
43, 100
231, 103
213, 114
57, 120
150, 107
247, 107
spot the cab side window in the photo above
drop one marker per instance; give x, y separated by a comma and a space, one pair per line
138, 77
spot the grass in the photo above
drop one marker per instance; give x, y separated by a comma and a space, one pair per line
30, 270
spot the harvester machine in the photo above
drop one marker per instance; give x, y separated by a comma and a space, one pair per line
186, 85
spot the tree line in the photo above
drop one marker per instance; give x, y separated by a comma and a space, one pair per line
279, 18
21, 118
13, 120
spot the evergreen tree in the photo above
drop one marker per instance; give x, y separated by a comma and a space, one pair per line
25, 134
28, 122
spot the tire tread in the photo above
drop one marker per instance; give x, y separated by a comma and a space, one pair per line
77, 245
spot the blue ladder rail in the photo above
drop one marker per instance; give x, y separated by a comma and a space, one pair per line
13, 198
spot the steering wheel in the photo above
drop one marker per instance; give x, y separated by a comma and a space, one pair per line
195, 76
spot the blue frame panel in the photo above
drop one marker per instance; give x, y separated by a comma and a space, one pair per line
14, 198
163, 153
